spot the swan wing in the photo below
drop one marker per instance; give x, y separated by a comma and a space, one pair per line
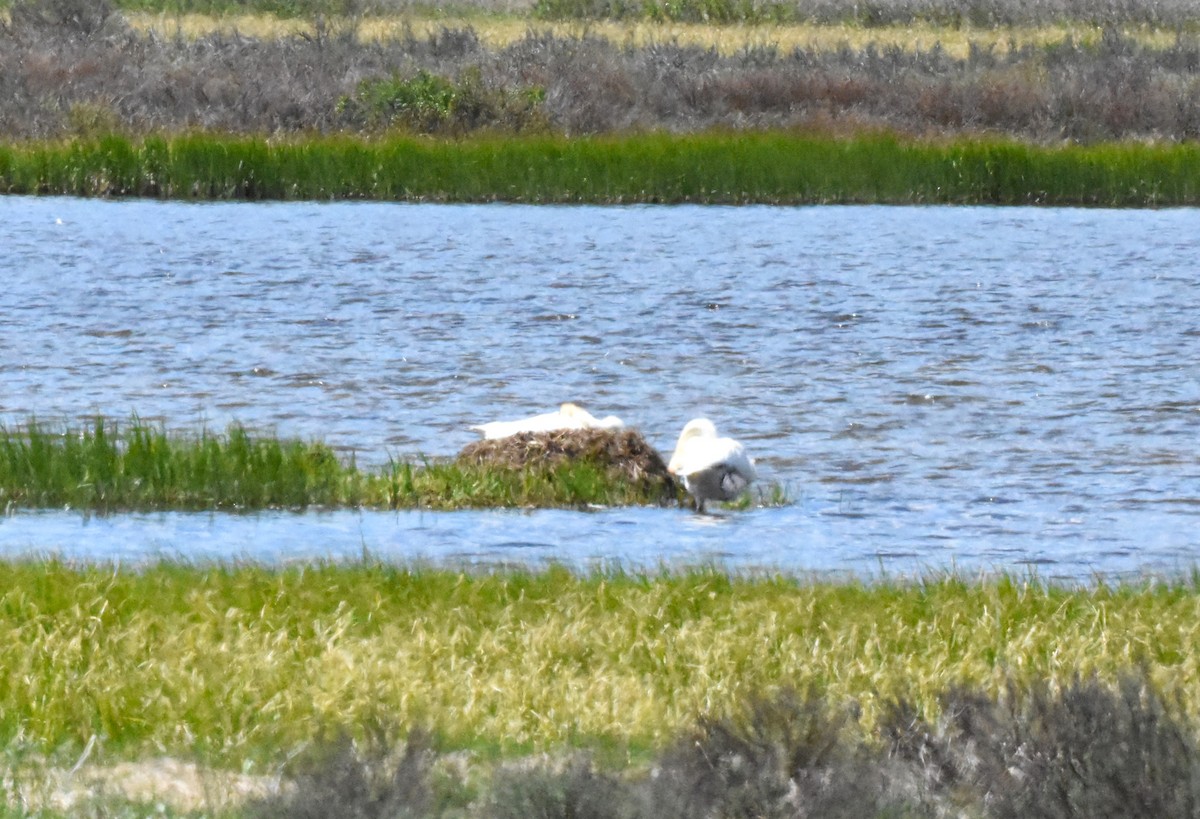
702, 454
568, 416
607, 422
545, 422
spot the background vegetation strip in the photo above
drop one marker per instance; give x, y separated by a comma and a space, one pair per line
723, 167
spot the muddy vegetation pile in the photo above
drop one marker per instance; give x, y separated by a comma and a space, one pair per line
623, 455
77, 68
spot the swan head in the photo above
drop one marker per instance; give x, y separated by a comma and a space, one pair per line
699, 428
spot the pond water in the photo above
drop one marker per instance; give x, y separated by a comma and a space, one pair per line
973, 388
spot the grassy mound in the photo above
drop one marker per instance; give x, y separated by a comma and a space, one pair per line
624, 455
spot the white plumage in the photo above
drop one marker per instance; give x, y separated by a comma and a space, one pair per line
711, 467
567, 416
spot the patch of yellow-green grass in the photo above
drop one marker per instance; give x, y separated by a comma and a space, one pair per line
499, 30
237, 664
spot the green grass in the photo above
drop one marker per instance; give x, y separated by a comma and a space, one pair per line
709, 168
238, 664
107, 467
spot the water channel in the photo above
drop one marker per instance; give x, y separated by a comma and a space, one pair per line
936, 388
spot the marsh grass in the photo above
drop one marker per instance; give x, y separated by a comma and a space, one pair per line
107, 467
236, 664
714, 167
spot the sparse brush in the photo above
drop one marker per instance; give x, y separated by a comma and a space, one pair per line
375, 777
1088, 749
1116, 78
1082, 748
573, 787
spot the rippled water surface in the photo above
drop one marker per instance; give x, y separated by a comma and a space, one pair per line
935, 387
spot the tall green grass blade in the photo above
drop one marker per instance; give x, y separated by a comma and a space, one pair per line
108, 467
709, 168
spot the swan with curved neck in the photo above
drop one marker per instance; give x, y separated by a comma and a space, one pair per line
711, 467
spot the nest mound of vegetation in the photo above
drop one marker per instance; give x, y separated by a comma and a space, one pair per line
622, 454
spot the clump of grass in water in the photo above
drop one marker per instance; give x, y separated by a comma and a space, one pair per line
105, 467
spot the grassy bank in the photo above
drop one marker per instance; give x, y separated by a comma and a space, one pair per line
708, 168
241, 665
107, 467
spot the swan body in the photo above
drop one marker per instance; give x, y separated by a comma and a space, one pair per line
567, 416
711, 467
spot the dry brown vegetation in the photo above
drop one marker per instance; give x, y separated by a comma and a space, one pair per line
1086, 750
63, 73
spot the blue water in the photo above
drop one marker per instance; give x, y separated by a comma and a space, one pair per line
971, 388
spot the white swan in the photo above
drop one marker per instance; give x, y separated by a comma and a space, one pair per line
712, 468
567, 416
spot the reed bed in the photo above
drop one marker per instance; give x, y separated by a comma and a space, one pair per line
107, 467
708, 168
239, 665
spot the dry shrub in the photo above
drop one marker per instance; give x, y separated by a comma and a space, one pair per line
1005, 102
575, 789
71, 19
789, 756
367, 779
1090, 749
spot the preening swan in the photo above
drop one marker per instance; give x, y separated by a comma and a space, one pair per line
567, 416
712, 468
